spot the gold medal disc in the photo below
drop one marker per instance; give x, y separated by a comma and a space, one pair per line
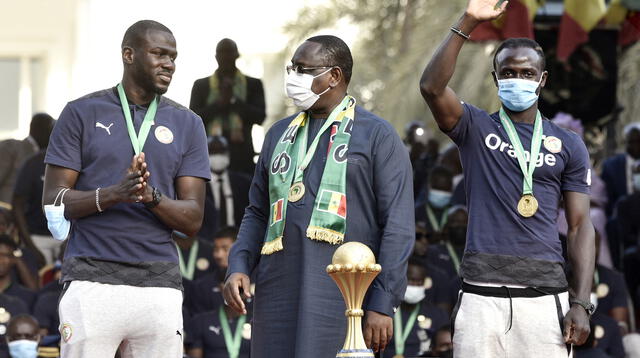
296, 192
527, 206
398, 356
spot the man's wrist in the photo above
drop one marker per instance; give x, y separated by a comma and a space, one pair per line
467, 23
588, 307
156, 197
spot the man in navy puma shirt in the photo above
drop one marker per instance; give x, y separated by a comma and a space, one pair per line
136, 165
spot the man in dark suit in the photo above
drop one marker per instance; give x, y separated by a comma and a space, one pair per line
616, 170
14, 152
230, 103
228, 192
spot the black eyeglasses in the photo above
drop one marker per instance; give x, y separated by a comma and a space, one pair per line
302, 70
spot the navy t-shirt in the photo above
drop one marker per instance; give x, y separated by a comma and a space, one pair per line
430, 318
91, 138
611, 290
527, 250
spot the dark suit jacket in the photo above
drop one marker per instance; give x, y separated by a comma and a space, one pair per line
614, 174
240, 184
252, 111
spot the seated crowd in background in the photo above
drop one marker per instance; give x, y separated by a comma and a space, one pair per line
30, 259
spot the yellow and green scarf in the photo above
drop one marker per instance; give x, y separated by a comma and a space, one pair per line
329, 217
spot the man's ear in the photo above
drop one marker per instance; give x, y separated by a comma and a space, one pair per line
336, 76
543, 80
127, 55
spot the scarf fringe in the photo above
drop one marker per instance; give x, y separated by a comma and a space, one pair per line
326, 235
272, 246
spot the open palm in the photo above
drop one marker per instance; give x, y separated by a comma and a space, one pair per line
484, 10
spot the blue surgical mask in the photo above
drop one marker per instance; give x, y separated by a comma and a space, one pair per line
439, 198
58, 225
636, 181
23, 348
518, 94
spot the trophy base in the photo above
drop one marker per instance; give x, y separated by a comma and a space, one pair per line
355, 353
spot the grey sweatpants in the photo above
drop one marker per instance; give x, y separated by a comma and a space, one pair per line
98, 319
481, 327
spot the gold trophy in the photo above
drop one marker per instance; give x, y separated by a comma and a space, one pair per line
353, 268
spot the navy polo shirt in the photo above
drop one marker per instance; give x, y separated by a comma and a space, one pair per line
204, 294
502, 246
204, 260
91, 138
205, 331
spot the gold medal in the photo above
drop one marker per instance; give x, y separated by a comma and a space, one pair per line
599, 332
202, 264
398, 356
296, 192
527, 206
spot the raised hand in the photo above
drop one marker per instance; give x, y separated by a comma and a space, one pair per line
485, 10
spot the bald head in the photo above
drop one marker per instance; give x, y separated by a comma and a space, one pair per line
23, 327
226, 55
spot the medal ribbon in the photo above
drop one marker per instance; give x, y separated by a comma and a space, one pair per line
454, 256
188, 270
137, 141
307, 155
432, 219
536, 141
400, 336
232, 343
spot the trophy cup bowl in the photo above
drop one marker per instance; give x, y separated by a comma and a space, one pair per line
353, 268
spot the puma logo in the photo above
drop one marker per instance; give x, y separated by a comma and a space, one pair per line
108, 129
215, 330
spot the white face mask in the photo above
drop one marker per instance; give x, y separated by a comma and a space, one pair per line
219, 162
298, 88
58, 225
414, 294
23, 348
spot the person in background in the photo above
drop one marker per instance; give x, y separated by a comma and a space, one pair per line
443, 344
617, 170
589, 349
27, 254
423, 153
9, 307
27, 208
227, 193
230, 103
205, 294
416, 320
14, 152
447, 247
207, 336
433, 203
194, 256
9, 260
23, 337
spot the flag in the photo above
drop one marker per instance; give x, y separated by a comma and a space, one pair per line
276, 210
578, 19
517, 21
333, 202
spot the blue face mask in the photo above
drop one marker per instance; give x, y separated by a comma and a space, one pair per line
58, 225
439, 198
23, 348
517, 94
636, 181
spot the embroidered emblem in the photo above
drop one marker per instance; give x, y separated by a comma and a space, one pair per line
108, 129
164, 135
66, 332
202, 264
